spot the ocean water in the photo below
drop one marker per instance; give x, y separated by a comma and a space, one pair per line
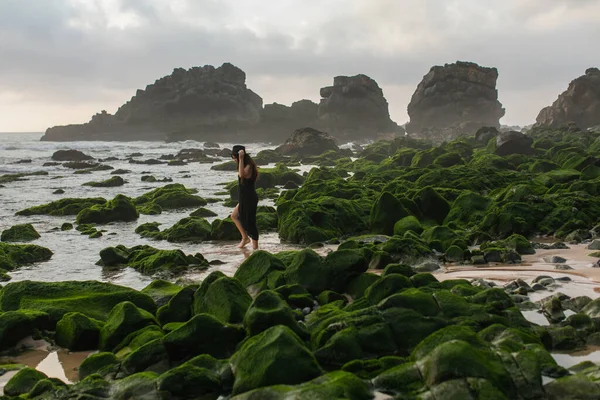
75, 255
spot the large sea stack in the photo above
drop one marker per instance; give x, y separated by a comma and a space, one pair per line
454, 100
204, 101
580, 104
354, 108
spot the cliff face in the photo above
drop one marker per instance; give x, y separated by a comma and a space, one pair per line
201, 99
453, 100
354, 107
580, 104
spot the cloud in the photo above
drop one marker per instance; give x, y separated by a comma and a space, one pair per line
78, 54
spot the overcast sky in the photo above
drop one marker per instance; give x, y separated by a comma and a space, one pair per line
61, 61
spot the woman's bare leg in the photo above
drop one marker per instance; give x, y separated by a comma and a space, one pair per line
235, 217
254, 244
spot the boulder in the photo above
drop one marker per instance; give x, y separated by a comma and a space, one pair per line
92, 298
70, 155
121, 208
267, 310
354, 107
513, 142
183, 105
77, 332
307, 142
285, 119
224, 298
16, 325
580, 104
20, 233
23, 382
453, 100
274, 357
124, 319
111, 182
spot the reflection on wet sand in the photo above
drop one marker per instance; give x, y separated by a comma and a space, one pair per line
567, 360
60, 364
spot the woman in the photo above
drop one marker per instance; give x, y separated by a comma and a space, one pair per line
244, 214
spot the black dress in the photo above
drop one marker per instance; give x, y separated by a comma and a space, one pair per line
247, 205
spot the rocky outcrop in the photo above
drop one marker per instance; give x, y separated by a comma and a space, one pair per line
354, 108
307, 142
513, 142
454, 100
580, 104
205, 100
279, 118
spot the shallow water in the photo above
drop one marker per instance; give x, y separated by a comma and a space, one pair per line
75, 255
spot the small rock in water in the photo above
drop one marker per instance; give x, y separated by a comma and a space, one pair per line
553, 311
517, 298
426, 267
478, 260
540, 277
306, 310
481, 283
563, 267
546, 281
537, 287
559, 246
596, 264
555, 259
595, 245
563, 278
58, 191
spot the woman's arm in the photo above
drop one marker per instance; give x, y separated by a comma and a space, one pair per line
244, 171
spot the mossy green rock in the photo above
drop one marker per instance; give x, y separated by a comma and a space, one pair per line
96, 362
149, 260
224, 229
124, 318
386, 210
387, 286
179, 308
13, 256
16, 325
334, 385
190, 229
307, 270
20, 233
267, 310
77, 332
433, 206
63, 207
171, 197
203, 334
410, 223
150, 356
141, 385
190, 382
23, 381
137, 339
257, 267
92, 298
121, 208
161, 291
111, 182
203, 213
225, 298
276, 356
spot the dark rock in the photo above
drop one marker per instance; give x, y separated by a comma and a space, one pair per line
354, 107
24, 161
562, 267
555, 260
595, 245
181, 105
70, 155
513, 142
580, 104
485, 133
58, 191
50, 164
307, 142
284, 119
455, 99
211, 145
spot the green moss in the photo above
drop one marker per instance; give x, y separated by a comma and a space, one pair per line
179, 308
92, 298
137, 339
267, 310
20, 233
359, 285
387, 286
23, 381
121, 208
148, 260
171, 196
406, 224
77, 332
203, 334
257, 267
224, 229
113, 181
203, 213
63, 207
124, 319
161, 291
189, 381
433, 206
225, 298
149, 356
385, 212
13, 256
276, 356
16, 325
